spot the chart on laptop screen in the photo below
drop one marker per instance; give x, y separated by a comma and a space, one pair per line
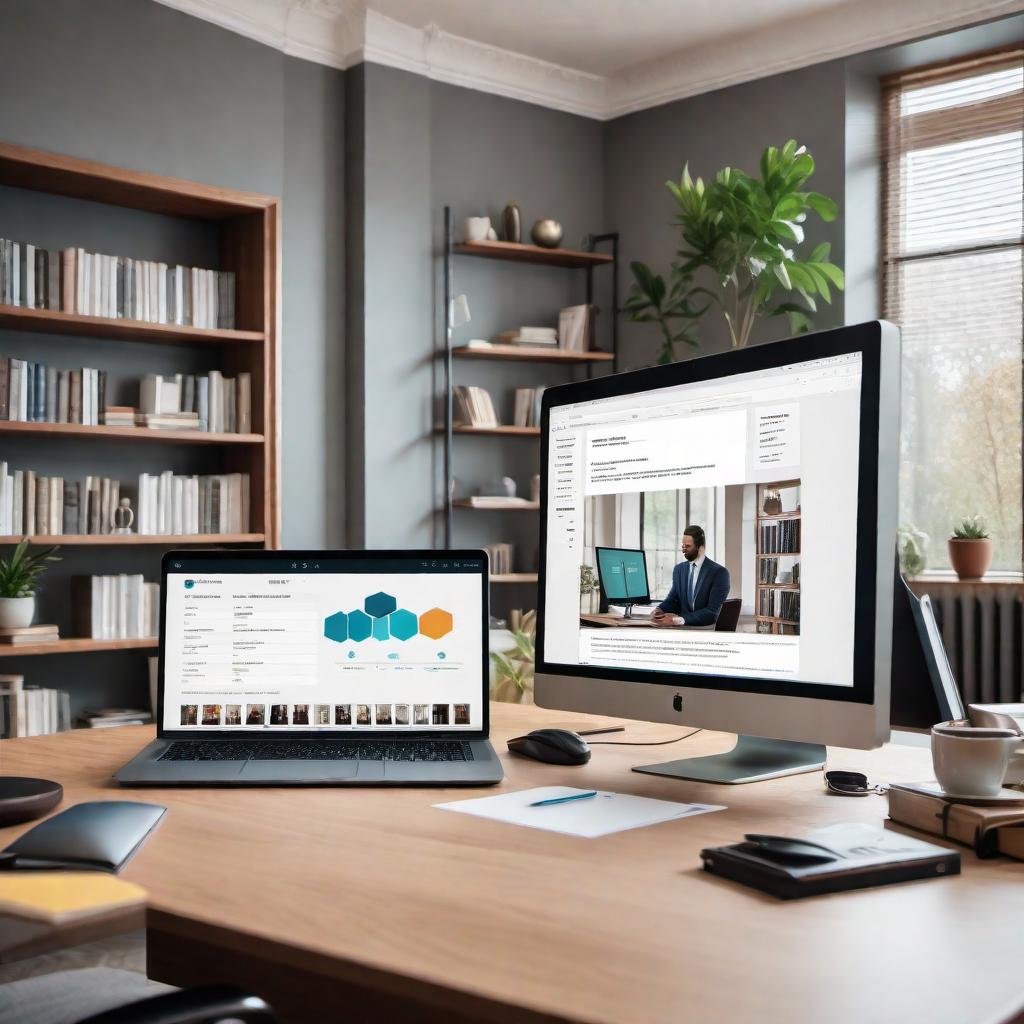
290, 650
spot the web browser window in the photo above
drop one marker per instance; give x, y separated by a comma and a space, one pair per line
381, 649
764, 585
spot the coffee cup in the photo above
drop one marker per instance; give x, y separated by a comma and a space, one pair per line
971, 762
476, 229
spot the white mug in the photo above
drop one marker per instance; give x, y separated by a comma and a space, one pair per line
476, 229
971, 762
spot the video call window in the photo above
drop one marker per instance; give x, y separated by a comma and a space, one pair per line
342, 714
232, 714
256, 714
323, 714
461, 714
278, 714
211, 714
383, 714
189, 714
440, 715
363, 714
421, 714
300, 714
401, 714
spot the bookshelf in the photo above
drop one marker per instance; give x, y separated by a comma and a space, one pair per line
242, 231
594, 256
778, 532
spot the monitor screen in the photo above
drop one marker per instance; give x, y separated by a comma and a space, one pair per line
740, 494
337, 645
623, 573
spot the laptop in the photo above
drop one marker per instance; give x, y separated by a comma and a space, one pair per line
321, 668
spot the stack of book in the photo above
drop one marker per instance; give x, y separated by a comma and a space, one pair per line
782, 604
119, 416
213, 402
122, 607
170, 504
93, 284
52, 505
31, 710
501, 558
105, 718
576, 328
472, 407
781, 537
497, 501
526, 412
19, 636
534, 337
35, 393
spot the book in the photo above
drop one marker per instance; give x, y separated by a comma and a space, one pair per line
988, 830
854, 856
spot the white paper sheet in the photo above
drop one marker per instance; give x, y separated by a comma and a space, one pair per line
598, 816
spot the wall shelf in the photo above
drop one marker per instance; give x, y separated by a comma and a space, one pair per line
76, 645
531, 354
128, 539
49, 321
100, 433
512, 506
519, 252
514, 577
502, 431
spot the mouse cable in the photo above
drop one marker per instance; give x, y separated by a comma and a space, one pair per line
659, 743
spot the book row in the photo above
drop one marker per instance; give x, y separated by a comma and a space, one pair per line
472, 407
167, 504
31, 710
780, 538
121, 607
36, 393
781, 604
768, 572
501, 557
71, 280
526, 411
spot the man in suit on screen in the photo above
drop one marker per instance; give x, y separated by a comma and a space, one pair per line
699, 587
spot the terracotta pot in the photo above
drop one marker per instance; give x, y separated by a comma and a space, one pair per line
970, 558
16, 612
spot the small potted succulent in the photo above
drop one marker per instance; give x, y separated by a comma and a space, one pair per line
18, 577
970, 549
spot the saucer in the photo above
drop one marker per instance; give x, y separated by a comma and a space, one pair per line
1004, 796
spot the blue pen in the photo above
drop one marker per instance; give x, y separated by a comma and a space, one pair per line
563, 799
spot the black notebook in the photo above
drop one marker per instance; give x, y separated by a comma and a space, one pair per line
830, 859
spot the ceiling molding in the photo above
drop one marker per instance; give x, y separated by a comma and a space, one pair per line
340, 33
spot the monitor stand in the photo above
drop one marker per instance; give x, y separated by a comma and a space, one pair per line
752, 759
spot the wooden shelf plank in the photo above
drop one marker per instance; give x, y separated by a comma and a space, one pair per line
518, 252
775, 618
49, 321
779, 586
502, 431
527, 506
527, 353
514, 577
79, 430
75, 645
779, 515
118, 539
776, 554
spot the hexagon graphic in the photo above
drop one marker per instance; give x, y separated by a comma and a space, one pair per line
336, 627
380, 604
436, 623
359, 625
380, 629
403, 624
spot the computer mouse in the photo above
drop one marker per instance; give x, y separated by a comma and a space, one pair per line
552, 746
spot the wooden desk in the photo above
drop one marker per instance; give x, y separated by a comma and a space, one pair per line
606, 619
370, 905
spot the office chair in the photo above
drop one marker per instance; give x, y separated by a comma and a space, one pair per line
728, 616
207, 1005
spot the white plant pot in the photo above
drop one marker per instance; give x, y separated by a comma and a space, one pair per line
17, 611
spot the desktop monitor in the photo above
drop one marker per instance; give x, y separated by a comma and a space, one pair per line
774, 469
622, 576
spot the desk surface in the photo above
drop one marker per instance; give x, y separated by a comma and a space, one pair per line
607, 619
481, 920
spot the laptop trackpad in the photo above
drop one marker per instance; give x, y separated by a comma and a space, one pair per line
298, 771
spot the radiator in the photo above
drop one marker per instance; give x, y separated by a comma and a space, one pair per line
982, 629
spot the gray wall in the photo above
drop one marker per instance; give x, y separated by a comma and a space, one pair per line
730, 127
138, 85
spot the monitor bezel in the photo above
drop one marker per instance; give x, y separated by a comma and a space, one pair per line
605, 599
480, 567
865, 339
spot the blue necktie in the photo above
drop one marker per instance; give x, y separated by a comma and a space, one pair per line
689, 587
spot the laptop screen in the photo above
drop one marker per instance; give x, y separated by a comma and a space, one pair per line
324, 642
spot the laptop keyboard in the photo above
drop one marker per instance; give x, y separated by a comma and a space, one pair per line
318, 750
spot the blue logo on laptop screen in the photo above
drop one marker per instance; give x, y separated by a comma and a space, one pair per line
189, 584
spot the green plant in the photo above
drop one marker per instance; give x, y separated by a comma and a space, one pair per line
743, 233
514, 667
588, 580
19, 573
971, 528
911, 543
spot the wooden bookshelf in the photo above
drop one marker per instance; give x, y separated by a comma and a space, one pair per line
99, 433
502, 431
514, 577
49, 321
766, 592
519, 252
127, 539
249, 234
511, 506
531, 354
76, 645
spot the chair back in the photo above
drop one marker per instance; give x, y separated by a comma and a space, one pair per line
728, 616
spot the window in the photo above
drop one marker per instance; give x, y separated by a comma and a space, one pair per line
953, 258
664, 516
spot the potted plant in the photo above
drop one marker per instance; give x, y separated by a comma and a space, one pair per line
970, 548
513, 669
18, 576
742, 235
912, 544
589, 586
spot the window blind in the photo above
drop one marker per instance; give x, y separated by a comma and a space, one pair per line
953, 163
